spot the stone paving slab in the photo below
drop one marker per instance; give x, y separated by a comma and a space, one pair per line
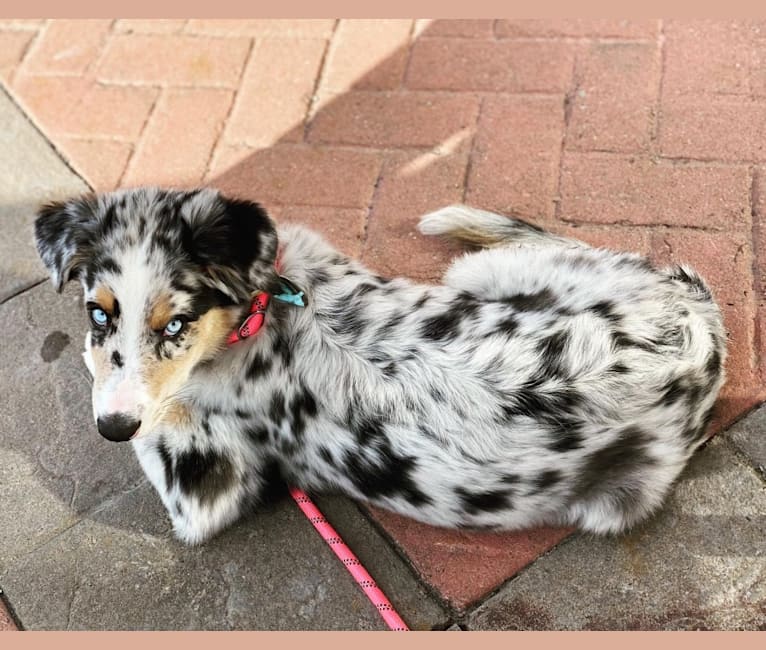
749, 437
30, 172
700, 564
86, 543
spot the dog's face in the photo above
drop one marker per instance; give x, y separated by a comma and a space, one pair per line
166, 275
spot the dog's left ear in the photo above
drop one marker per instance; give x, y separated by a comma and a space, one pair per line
235, 241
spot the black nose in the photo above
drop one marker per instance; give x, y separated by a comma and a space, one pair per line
117, 427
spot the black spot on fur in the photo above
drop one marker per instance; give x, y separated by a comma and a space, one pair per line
380, 472
565, 438
699, 289
509, 478
606, 310
611, 468
618, 368
368, 429
673, 392
273, 486
441, 327
303, 407
713, 364
479, 502
167, 464
546, 480
258, 434
258, 366
277, 409
204, 474
326, 455
117, 359
551, 350
507, 326
538, 301
422, 300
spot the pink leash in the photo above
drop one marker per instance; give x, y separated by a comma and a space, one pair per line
249, 327
350, 561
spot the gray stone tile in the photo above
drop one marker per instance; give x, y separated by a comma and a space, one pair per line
700, 564
30, 172
749, 437
119, 568
54, 465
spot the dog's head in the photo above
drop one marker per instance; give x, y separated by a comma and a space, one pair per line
166, 275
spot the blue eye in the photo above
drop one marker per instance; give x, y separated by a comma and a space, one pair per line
174, 327
99, 317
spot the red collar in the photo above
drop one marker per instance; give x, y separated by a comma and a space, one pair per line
254, 320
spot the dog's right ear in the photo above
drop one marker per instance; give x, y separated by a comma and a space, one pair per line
63, 236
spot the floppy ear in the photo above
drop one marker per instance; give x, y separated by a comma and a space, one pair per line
236, 243
63, 236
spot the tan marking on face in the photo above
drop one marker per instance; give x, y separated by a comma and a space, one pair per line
208, 336
161, 314
105, 299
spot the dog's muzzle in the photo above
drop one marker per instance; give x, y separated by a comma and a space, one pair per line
117, 427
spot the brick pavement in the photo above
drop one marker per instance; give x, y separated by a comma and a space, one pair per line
645, 135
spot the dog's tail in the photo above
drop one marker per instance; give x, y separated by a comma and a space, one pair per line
487, 229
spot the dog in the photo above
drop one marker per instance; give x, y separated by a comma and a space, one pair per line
545, 382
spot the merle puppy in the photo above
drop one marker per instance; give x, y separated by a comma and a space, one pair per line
544, 382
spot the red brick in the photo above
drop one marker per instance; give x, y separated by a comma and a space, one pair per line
626, 189
616, 94
383, 119
100, 162
226, 156
342, 227
178, 60
273, 100
150, 26
725, 261
515, 165
409, 186
367, 54
463, 567
304, 175
633, 240
13, 45
6, 622
706, 56
457, 28
108, 111
171, 153
599, 27
67, 47
269, 28
713, 128
467, 64
47, 99
758, 68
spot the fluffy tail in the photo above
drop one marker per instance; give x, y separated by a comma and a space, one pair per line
487, 229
